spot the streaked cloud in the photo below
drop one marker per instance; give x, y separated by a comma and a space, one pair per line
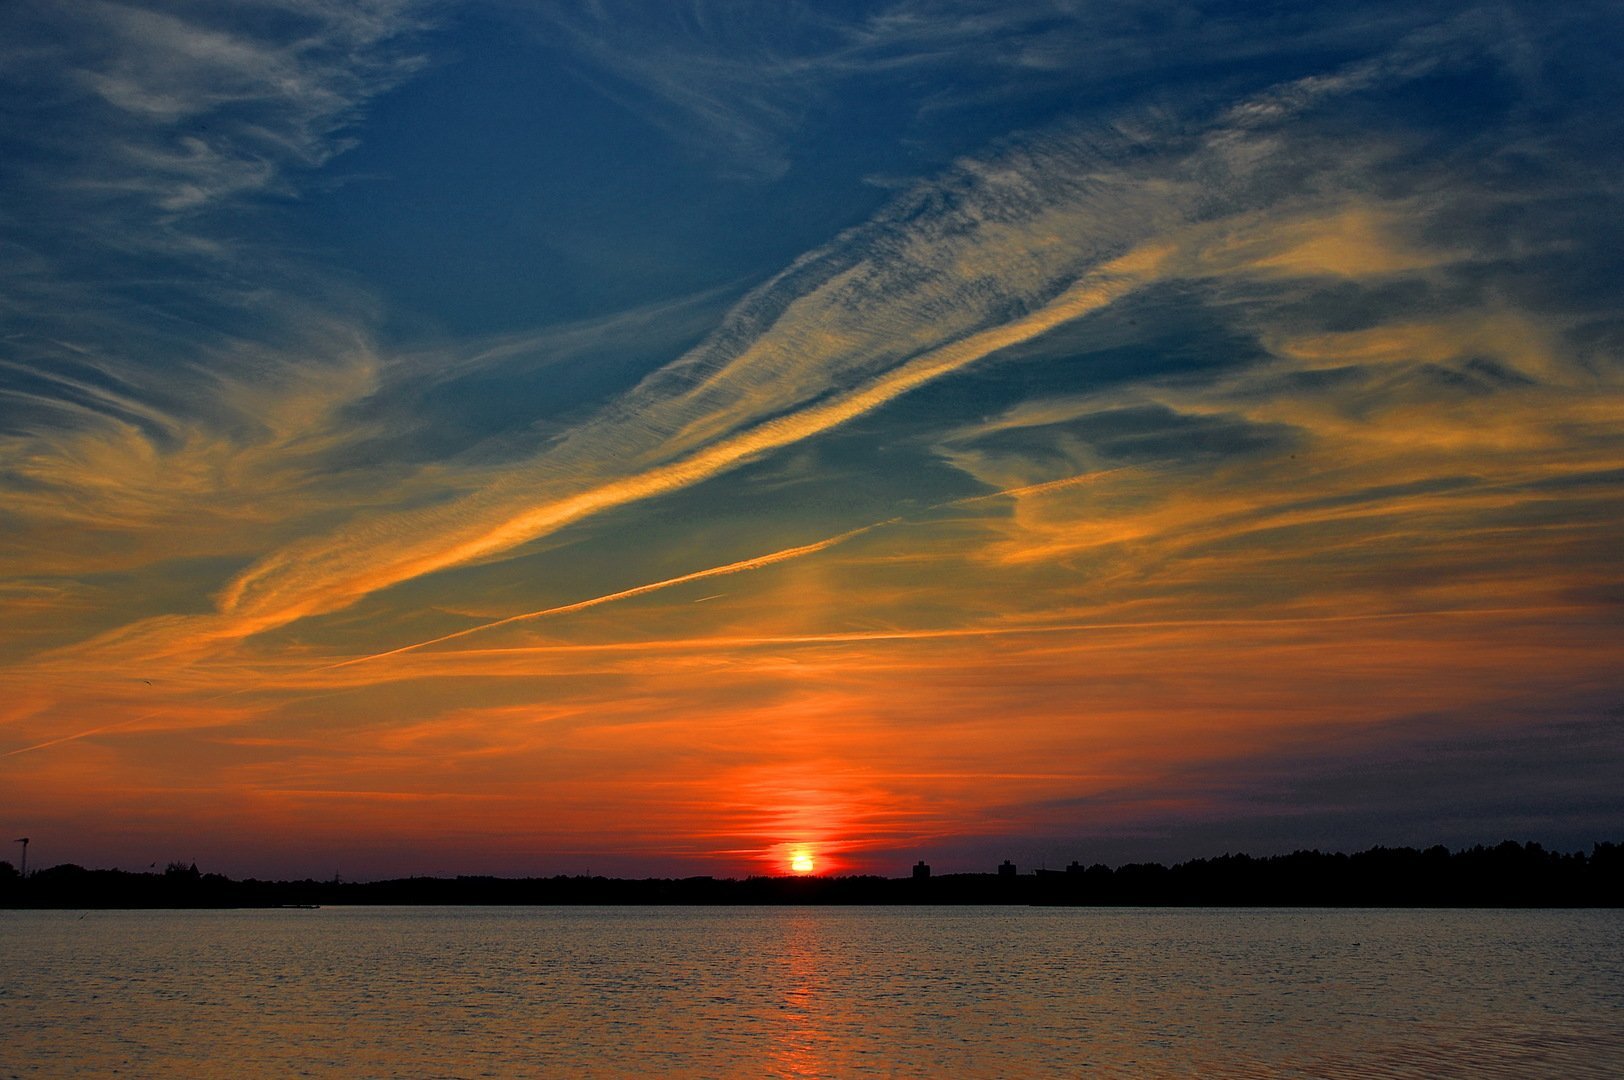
197, 108
927, 288
1225, 404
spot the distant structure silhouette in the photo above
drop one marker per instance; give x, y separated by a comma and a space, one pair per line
23, 840
1510, 874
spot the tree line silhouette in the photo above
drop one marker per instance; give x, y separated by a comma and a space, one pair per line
1506, 875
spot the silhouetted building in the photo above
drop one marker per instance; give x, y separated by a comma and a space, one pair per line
1006, 869
1075, 867
921, 869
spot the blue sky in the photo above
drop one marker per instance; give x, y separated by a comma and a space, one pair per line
674, 436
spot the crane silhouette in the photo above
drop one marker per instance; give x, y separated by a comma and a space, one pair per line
23, 840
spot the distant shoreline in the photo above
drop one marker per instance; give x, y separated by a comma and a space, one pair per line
1509, 875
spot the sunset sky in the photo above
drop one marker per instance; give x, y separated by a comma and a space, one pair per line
674, 438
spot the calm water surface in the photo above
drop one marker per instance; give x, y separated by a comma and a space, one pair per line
800, 992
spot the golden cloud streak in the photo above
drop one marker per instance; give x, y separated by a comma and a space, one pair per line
742, 566
281, 590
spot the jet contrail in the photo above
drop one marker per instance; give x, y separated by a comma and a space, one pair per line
743, 565
1046, 486
274, 592
1035, 629
755, 563
115, 725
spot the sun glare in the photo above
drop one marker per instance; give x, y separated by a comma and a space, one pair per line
801, 862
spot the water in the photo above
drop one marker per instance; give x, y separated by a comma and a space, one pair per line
802, 992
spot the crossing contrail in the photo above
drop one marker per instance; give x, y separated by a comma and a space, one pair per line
743, 565
756, 562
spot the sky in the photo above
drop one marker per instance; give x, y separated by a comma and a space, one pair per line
689, 438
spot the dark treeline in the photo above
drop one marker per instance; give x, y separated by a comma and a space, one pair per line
1508, 875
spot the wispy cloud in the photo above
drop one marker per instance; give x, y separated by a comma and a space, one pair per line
139, 129
1200, 421
738, 89
996, 254
757, 562
186, 107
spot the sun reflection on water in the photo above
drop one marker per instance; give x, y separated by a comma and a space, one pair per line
805, 1046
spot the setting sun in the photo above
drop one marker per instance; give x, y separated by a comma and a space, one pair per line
801, 862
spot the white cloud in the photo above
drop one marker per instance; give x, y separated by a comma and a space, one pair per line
190, 106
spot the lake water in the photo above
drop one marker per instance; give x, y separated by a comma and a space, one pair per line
803, 992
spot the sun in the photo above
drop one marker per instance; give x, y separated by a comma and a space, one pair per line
800, 861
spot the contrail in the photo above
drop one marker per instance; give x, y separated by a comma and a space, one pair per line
1035, 629
270, 594
743, 565
1045, 487
755, 563
81, 734
115, 725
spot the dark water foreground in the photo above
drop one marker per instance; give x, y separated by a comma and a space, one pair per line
1507, 875
812, 992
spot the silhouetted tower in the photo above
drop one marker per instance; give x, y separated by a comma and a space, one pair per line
1075, 867
1006, 869
23, 840
921, 870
